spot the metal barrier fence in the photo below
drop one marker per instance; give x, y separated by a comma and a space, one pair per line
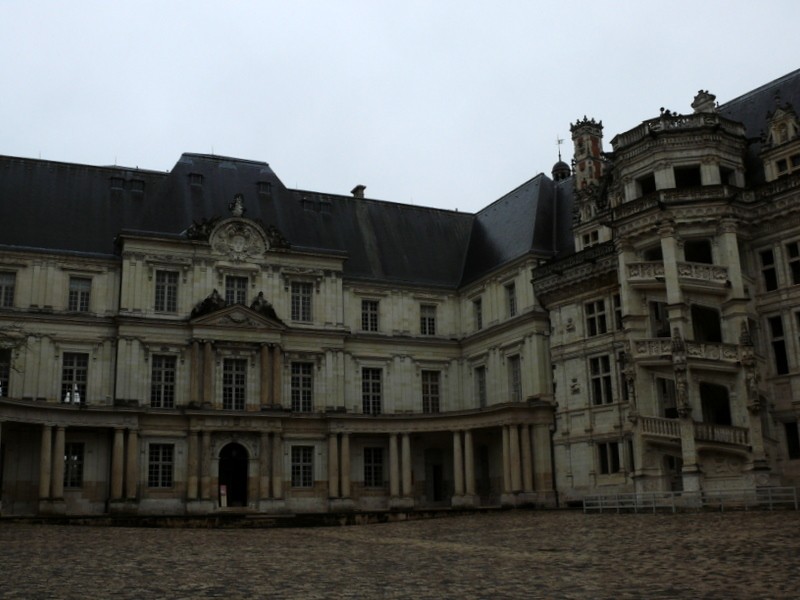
767, 497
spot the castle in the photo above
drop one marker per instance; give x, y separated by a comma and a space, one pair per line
208, 339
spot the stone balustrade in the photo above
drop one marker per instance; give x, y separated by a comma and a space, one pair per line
660, 427
726, 434
645, 271
703, 272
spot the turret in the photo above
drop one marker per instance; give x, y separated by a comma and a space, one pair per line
587, 136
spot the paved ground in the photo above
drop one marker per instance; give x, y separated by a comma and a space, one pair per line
517, 554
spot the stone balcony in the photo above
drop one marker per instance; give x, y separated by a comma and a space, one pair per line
658, 349
670, 429
651, 274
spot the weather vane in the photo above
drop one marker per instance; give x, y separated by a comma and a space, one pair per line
559, 141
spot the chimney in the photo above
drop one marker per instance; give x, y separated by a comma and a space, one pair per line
358, 191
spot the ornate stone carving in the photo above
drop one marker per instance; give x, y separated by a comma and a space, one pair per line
238, 239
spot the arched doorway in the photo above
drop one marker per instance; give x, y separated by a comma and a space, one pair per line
233, 460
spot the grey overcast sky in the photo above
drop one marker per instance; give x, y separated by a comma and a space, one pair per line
436, 103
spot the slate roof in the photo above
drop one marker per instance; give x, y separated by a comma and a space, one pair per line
81, 208
752, 108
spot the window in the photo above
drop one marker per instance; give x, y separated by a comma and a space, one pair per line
477, 313
659, 322
480, 386
5, 371
698, 251
234, 382
511, 300
653, 254
665, 388
265, 188
608, 457
600, 372
792, 440
195, 179
617, 312
514, 379
646, 184
369, 315
302, 387
595, 317
137, 186
74, 372
778, 345
80, 289
117, 183
235, 289
73, 465
162, 382
7, 284
768, 271
591, 239
302, 466
430, 391
301, 301
427, 319
706, 324
686, 177
373, 467
715, 404
159, 465
371, 391
793, 256
166, 291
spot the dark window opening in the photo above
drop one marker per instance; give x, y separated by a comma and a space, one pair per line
687, 177
659, 322
706, 324
698, 251
716, 406
793, 258
647, 184
653, 254
726, 176
665, 389
768, 270
792, 440
778, 345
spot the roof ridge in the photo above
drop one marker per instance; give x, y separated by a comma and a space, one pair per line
761, 88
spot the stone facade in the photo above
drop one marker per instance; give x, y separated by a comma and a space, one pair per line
281, 350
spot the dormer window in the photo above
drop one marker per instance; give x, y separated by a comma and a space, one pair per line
265, 188
137, 186
117, 183
195, 179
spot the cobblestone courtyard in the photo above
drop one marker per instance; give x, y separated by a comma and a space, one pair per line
517, 554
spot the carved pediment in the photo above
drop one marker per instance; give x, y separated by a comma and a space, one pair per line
238, 316
239, 239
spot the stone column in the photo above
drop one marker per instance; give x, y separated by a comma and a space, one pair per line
277, 359
265, 376
58, 465
729, 249
458, 465
117, 456
333, 466
277, 466
45, 462
406, 461
191, 467
194, 372
205, 467
208, 374
345, 465
469, 464
132, 468
513, 448
394, 471
669, 250
543, 466
263, 464
527, 466
506, 462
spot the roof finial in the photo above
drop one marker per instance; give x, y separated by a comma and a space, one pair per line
559, 141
